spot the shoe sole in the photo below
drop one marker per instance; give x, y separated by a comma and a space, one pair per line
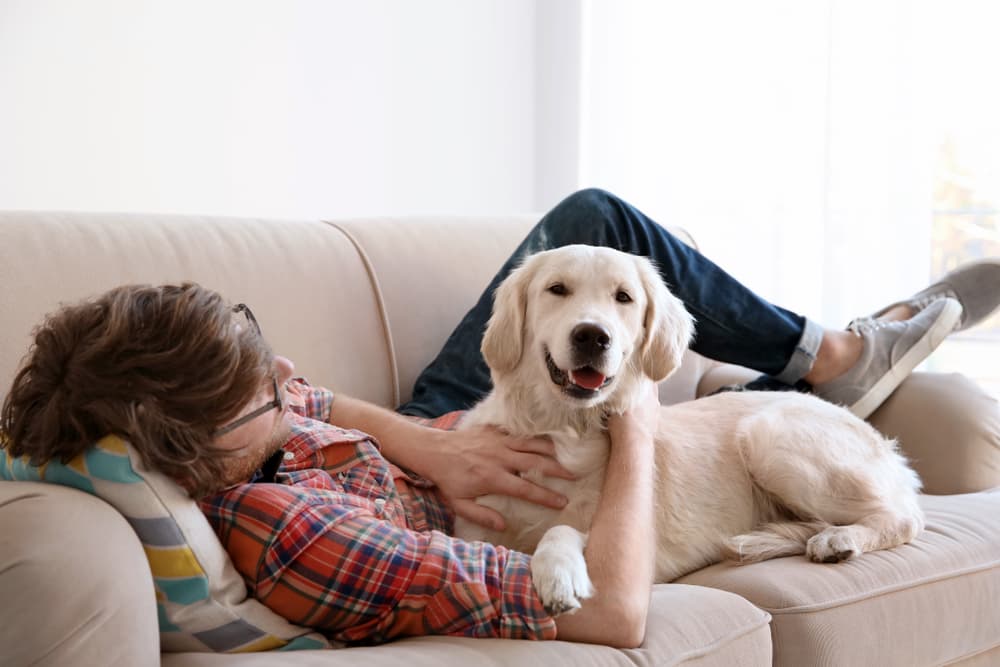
967, 321
948, 281
920, 350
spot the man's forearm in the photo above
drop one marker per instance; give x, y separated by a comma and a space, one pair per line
620, 550
401, 439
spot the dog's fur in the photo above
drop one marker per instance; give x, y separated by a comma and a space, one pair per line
742, 475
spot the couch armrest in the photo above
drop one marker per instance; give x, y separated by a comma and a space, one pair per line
76, 584
948, 427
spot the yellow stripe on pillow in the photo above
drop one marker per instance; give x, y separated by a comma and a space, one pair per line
173, 562
78, 464
113, 444
265, 643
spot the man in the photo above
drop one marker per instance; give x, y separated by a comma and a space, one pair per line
348, 533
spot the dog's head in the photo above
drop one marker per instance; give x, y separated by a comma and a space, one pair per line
584, 320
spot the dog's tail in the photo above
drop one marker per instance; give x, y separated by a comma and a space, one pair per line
773, 540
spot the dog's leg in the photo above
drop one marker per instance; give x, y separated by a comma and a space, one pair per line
559, 571
871, 533
849, 484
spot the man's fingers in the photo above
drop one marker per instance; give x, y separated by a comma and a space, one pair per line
518, 487
476, 513
542, 446
548, 466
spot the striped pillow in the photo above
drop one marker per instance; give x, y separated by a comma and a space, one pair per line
201, 599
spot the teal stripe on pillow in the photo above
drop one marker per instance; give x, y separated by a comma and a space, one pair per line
110, 467
302, 644
16, 470
57, 473
164, 619
183, 591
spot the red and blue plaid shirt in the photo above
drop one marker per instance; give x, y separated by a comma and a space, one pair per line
345, 542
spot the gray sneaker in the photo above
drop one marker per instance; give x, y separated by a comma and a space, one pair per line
975, 285
891, 351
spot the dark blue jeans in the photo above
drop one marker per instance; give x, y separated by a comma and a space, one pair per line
732, 323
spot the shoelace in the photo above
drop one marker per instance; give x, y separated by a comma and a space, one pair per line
859, 325
928, 299
868, 324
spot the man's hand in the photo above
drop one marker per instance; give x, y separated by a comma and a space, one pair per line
484, 460
463, 464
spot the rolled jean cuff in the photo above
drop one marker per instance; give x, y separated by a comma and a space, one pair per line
804, 355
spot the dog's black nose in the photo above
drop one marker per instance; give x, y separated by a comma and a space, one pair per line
590, 338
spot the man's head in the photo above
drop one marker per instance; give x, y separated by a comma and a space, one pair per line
164, 367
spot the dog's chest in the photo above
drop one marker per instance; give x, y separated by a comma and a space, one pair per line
587, 459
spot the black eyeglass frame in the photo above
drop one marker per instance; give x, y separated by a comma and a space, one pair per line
267, 407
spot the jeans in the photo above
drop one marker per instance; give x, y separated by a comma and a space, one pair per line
732, 323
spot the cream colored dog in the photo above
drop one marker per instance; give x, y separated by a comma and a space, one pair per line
575, 333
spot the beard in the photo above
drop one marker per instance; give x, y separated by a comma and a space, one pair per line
238, 469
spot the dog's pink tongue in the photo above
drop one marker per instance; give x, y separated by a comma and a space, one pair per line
587, 378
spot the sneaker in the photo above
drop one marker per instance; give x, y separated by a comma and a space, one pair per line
975, 285
892, 349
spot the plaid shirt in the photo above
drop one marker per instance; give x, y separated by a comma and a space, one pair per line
347, 543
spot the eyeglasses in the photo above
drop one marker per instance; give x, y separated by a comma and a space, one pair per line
267, 407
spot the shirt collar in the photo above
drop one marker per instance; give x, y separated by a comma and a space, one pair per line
265, 474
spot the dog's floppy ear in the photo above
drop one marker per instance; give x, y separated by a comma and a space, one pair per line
503, 341
669, 326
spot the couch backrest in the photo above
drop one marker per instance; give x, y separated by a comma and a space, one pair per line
304, 280
359, 305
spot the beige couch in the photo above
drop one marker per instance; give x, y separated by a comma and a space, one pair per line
361, 306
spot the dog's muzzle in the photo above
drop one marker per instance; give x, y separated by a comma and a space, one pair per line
583, 382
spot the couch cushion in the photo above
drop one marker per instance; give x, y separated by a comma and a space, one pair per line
413, 261
304, 280
948, 427
57, 609
688, 626
930, 602
201, 600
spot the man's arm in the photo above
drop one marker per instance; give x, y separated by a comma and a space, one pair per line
620, 548
333, 563
463, 464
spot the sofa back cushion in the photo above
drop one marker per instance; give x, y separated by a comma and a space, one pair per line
304, 280
428, 272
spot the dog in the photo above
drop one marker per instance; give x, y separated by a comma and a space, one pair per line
577, 333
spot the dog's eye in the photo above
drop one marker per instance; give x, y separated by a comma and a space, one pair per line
623, 297
558, 289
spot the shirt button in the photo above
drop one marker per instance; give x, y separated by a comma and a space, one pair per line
288, 456
379, 505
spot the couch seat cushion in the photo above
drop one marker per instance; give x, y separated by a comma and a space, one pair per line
931, 602
688, 625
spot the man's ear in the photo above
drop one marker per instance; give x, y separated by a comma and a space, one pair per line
503, 341
669, 327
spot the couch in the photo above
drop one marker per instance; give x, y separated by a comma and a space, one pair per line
361, 306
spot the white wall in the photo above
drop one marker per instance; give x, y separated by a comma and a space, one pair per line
269, 108
780, 132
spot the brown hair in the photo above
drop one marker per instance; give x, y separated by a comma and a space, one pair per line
162, 367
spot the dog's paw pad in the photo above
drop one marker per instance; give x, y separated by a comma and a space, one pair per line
833, 545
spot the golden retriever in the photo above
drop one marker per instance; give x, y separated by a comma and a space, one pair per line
574, 334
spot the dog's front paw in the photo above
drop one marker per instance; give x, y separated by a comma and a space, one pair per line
832, 545
559, 571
